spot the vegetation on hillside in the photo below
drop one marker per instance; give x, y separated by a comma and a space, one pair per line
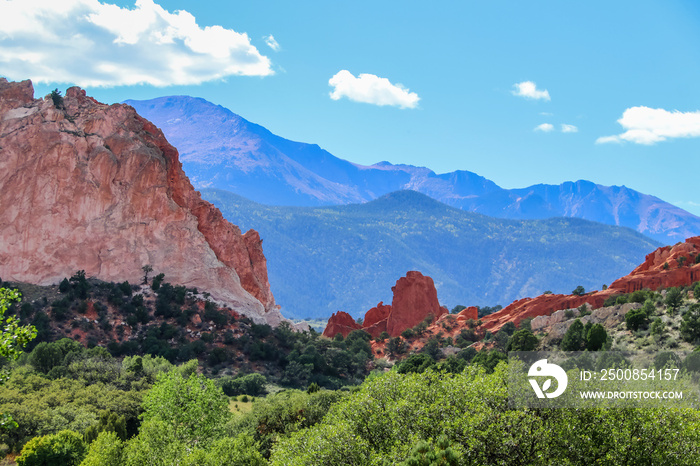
442, 405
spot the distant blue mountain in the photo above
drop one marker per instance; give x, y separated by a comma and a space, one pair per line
221, 150
324, 259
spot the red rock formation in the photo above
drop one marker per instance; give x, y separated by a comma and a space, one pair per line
470, 313
415, 297
340, 322
98, 188
662, 268
652, 274
375, 319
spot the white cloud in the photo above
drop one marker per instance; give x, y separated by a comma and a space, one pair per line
545, 128
529, 90
371, 89
89, 43
272, 43
568, 128
648, 126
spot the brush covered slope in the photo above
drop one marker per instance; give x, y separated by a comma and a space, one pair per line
87, 186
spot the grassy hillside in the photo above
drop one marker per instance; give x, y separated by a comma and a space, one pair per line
325, 259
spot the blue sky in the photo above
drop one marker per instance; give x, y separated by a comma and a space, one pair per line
520, 92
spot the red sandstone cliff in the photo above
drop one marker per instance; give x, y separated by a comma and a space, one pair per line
96, 187
662, 268
415, 297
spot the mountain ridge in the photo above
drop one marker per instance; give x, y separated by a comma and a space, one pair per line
222, 150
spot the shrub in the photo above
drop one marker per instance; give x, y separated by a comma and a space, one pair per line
574, 338
65, 448
157, 281
57, 99
635, 319
674, 299
106, 450
396, 346
522, 340
382, 336
408, 333
596, 338
416, 363
657, 327
690, 327
579, 291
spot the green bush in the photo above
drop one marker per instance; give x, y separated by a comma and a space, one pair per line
193, 406
635, 319
596, 338
106, 450
522, 340
471, 411
65, 448
690, 327
574, 338
674, 299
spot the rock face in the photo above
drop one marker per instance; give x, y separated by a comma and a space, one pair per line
94, 187
662, 268
340, 322
415, 297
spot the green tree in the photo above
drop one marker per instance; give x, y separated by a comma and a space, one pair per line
80, 284
396, 346
425, 454
674, 299
579, 291
108, 422
574, 338
690, 327
64, 448
106, 450
194, 406
657, 327
416, 363
57, 99
13, 339
635, 319
649, 307
596, 338
489, 359
146, 270
522, 340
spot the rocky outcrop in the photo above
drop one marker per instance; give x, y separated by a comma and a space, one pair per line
662, 268
467, 314
415, 298
340, 322
95, 187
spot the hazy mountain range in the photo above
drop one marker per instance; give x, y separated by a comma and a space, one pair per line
324, 259
219, 149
